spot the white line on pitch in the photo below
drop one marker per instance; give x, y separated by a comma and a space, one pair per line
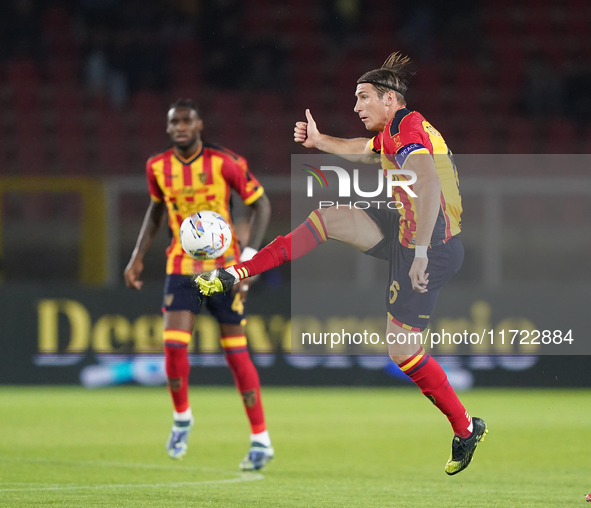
241, 477
129, 465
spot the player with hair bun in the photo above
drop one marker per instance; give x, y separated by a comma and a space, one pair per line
423, 236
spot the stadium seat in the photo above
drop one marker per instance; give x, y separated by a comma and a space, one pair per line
496, 21
66, 98
467, 102
234, 135
63, 70
72, 155
258, 16
560, 136
478, 139
508, 53
22, 72
147, 104
151, 138
185, 58
63, 45
275, 139
30, 161
71, 138
112, 141
56, 19
538, 23
267, 103
519, 136
25, 98
224, 108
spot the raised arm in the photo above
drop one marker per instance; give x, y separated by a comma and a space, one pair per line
355, 149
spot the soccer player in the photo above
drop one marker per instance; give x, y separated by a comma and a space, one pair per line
423, 236
189, 177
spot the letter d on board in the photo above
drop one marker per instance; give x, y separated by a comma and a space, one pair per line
48, 330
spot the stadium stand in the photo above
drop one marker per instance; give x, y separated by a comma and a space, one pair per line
479, 98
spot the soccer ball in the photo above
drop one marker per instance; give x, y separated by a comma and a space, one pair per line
205, 235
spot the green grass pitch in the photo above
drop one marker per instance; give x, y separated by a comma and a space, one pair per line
71, 447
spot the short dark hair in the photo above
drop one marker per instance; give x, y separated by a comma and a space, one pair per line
392, 75
185, 104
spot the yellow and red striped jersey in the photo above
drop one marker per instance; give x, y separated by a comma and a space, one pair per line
204, 182
406, 134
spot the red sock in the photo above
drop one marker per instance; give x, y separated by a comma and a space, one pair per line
246, 378
308, 235
177, 367
433, 382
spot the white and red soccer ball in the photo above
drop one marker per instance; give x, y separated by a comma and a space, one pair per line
205, 235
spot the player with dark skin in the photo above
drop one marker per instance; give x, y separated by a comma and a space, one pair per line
184, 128
190, 156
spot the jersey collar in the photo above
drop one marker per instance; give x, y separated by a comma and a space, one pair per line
190, 160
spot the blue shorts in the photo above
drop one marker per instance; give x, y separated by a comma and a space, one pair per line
181, 293
406, 307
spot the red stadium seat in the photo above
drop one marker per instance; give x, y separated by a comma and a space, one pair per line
258, 16
577, 23
478, 138
191, 91
300, 23
268, 104
69, 120
430, 105
509, 55
112, 138
71, 140
22, 72
30, 144
224, 108
59, 33
467, 75
63, 45
314, 101
468, 102
26, 98
72, 154
560, 136
146, 103
66, 98
347, 72
519, 136
63, 70
538, 22
185, 62
57, 19
152, 138
234, 135
276, 143
496, 22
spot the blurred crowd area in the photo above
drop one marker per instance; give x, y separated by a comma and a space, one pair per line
84, 85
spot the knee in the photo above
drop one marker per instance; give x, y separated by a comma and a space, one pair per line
326, 212
329, 216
